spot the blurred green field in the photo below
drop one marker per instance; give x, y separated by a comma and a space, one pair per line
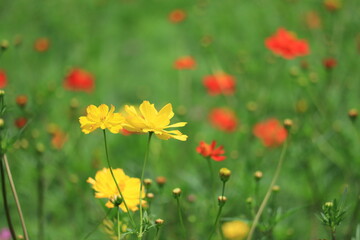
130, 47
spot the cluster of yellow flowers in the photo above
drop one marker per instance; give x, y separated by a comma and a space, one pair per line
145, 119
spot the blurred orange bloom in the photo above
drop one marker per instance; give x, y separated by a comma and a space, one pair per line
313, 20
3, 79
79, 80
209, 150
21, 100
177, 16
185, 63
41, 44
220, 83
271, 132
285, 44
329, 63
332, 5
58, 139
223, 119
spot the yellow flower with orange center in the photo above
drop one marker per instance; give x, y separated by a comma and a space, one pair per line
101, 117
105, 187
235, 230
148, 119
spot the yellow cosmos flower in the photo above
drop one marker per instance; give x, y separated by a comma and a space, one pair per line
105, 187
148, 119
101, 117
235, 230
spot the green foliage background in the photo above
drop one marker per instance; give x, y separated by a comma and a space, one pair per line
130, 46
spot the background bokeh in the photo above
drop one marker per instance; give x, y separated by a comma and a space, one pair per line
129, 47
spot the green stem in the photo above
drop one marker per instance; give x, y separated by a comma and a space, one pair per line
117, 185
118, 223
157, 235
180, 217
268, 194
212, 192
216, 221
40, 199
141, 184
6, 205
100, 222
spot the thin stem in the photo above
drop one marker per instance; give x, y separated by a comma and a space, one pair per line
157, 235
40, 199
333, 237
268, 194
212, 192
13, 189
223, 189
216, 221
118, 223
180, 217
141, 184
117, 185
6, 205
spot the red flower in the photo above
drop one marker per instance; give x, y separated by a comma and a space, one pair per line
223, 119
3, 79
329, 63
209, 150
177, 16
79, 80
41, 44
286, 44
220, 83
20, 122
185, 63
271, 132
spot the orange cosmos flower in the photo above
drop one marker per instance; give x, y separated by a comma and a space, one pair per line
177, 16
209, 150
41, 44
271, 132
3, 79
79, 80
220, 83
285, 44
185, 63
223, 119
329, 63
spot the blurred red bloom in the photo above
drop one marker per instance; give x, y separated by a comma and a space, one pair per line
41, 44
177, 16
3, 79
285, 44
185, 63
223, 119
220, 83
329, 63
79, 80
20, 122
271, 132
209, 150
